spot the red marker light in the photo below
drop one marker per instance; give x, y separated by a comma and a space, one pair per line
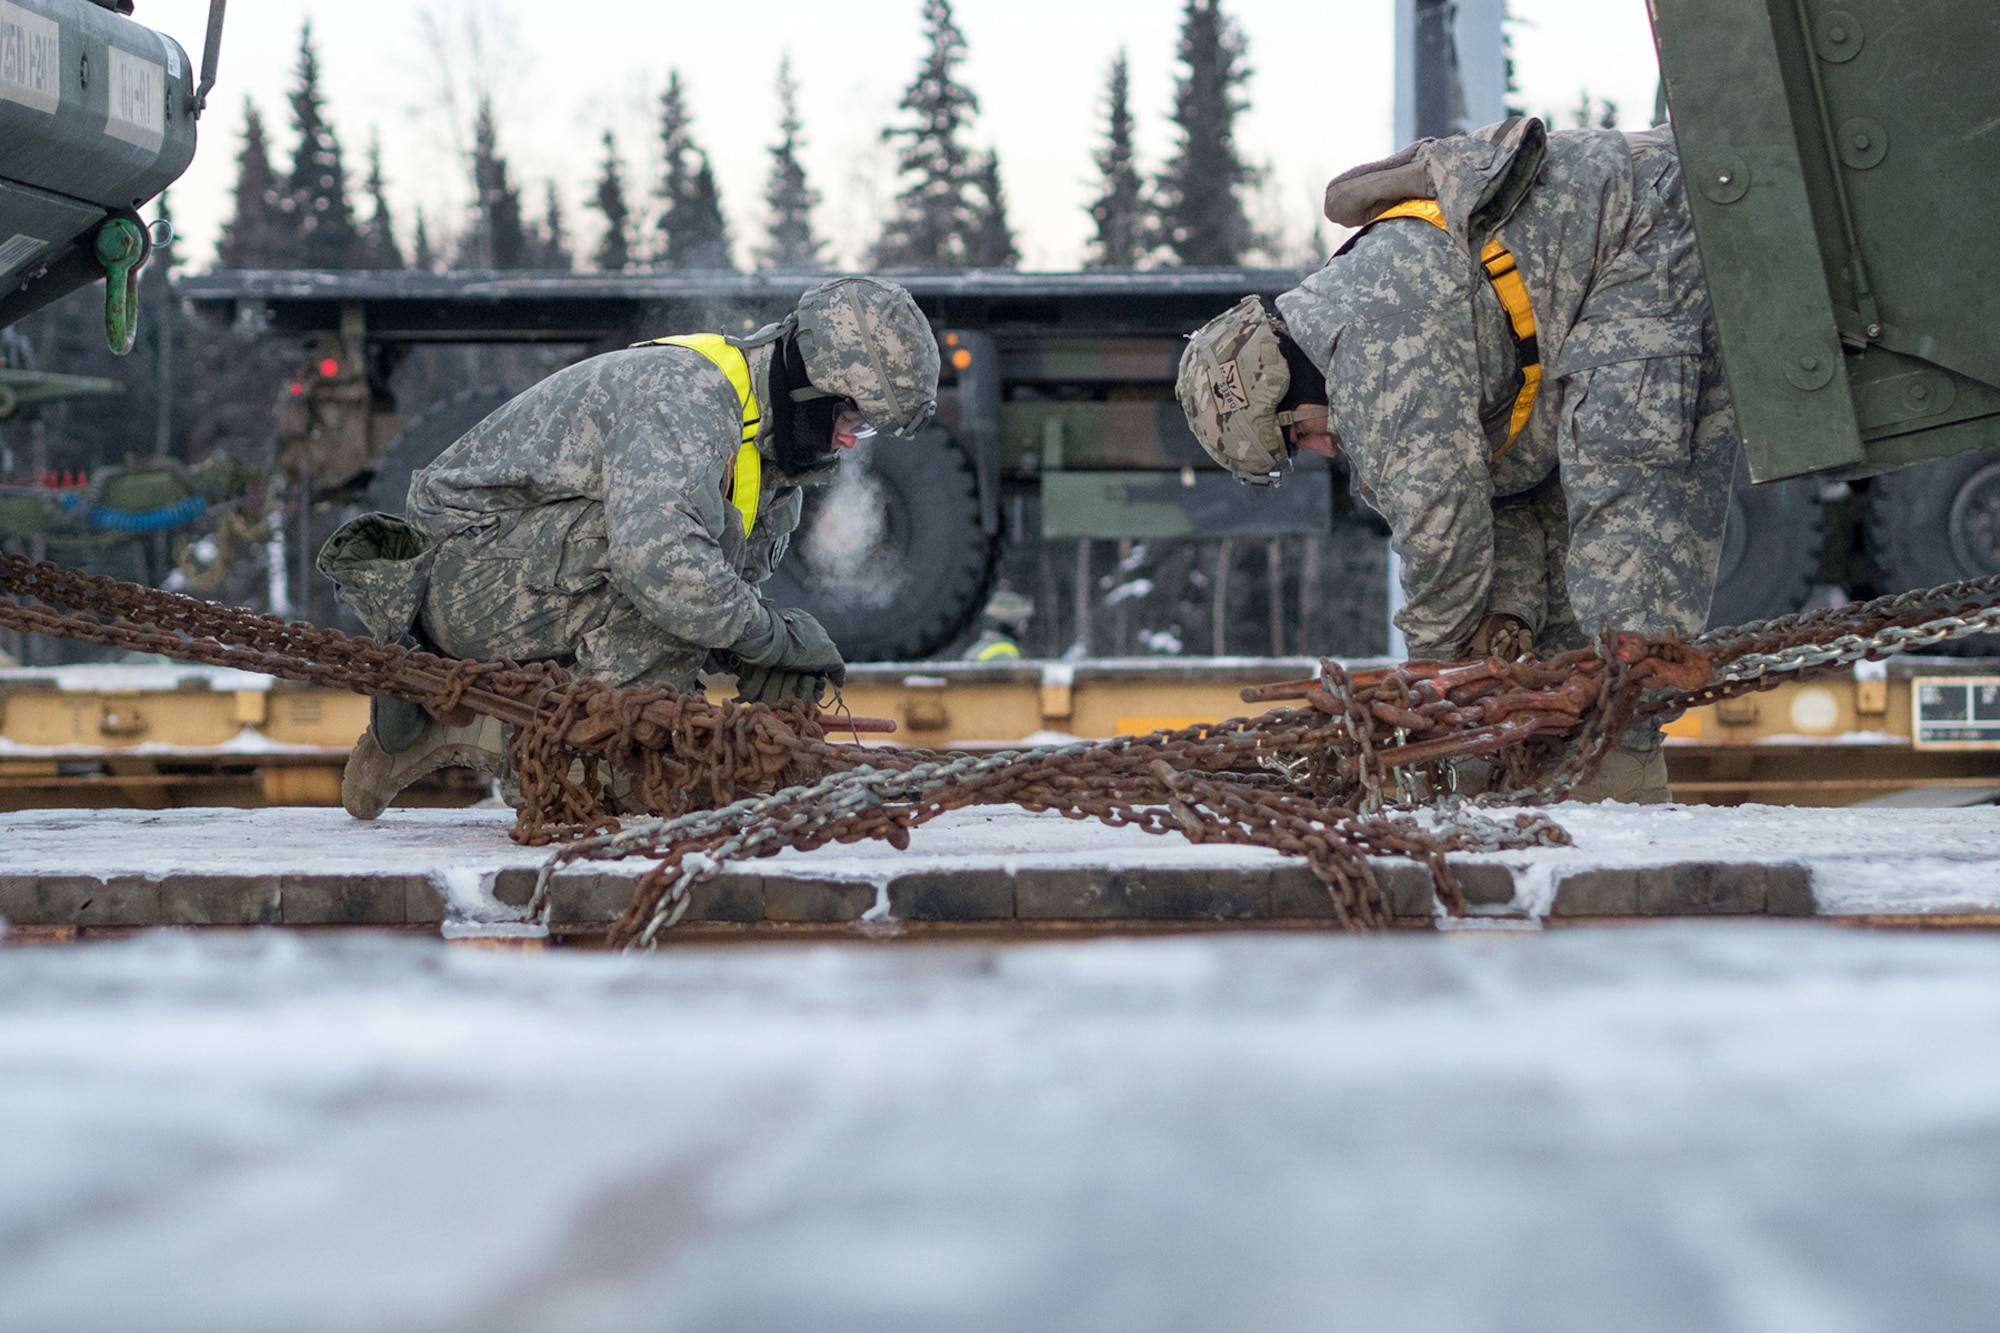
297, 388
329, 368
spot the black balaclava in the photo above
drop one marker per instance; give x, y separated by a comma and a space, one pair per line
801, 429
1307, 381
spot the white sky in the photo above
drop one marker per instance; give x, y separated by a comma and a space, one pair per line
564, 71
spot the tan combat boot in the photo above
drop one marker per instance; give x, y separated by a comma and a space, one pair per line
1633, 776
422, 745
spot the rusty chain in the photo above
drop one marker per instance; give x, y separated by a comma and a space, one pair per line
1335, 782
681, 750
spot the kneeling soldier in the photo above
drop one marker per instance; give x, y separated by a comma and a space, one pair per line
618, 517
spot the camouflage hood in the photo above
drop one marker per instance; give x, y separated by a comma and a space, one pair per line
865, 339
1478, 178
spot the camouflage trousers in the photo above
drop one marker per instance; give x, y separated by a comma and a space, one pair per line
1629, 529
535, 585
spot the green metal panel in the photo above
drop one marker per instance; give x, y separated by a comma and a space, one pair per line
31, 388
1130, 433
92, 104
1843, 162
35, 224
1183, 504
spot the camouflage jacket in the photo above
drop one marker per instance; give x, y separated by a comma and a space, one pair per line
639, 444
1421, 363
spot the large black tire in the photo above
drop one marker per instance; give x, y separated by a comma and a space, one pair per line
890, 556
1938, 522
430, 433
1770, 549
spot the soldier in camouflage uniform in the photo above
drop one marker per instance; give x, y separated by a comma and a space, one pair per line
1605, 503
618, 518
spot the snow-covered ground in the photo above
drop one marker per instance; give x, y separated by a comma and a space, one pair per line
1754, 1126
1872, 861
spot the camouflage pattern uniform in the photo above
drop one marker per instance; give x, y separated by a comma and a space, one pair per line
588, 522
1610, 505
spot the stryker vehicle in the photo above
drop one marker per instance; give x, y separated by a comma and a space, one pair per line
1844, 168
97, 116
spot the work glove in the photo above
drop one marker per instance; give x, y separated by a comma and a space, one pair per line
789, 657
767, 685
1503, 636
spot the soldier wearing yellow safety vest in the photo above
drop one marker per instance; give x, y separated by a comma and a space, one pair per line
1515, 356
618, 518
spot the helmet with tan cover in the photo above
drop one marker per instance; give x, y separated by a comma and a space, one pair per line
1233, 376
865, 339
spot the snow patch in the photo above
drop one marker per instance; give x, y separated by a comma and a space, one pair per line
471, 911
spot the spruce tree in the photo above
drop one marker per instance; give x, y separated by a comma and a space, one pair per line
990, 244
499, 235
692, 232
423, 256
934, 216
316, 192
1201, 211
555, 251
1120, 208
255, 235
379, 248
614, 252
791, 243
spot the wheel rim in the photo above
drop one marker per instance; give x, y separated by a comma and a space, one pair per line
1974, 526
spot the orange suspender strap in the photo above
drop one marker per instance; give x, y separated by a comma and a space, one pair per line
1505, 276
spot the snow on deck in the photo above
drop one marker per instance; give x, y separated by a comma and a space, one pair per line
1627, 860
1761, 1127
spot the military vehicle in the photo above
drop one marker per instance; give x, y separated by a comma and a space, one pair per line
1843, 159
97, 116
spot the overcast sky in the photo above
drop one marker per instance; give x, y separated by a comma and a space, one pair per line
564, 71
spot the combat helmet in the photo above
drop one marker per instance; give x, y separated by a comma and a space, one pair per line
865, 339
1233, 377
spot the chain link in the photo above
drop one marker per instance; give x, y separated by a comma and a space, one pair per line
729, 782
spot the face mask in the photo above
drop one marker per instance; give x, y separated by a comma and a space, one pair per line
801, 416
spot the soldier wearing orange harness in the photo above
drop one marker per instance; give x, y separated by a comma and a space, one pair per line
619, 517
1516, 357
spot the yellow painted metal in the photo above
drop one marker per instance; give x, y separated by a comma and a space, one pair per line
53, 718
48, 718
316, 717
303, 784
1004, 703
1825, 742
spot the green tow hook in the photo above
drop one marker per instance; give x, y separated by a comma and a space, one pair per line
121, 248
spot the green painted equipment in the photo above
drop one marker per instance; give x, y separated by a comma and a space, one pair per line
97, 116
21, 389
1843, 159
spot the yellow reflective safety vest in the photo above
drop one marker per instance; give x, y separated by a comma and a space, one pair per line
747, 483
1505, 276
